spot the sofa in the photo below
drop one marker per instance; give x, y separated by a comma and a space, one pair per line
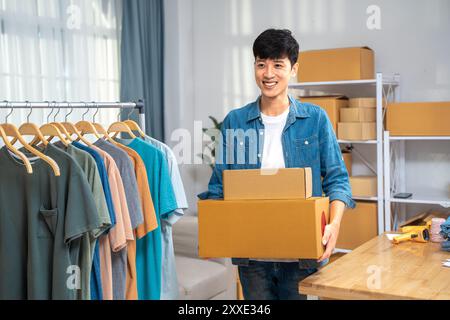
200, 279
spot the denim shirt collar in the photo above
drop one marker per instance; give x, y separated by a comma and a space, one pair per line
296, 110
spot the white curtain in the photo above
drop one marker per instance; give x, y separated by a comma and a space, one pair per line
62, 50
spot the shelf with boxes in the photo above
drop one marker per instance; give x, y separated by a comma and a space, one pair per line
360, 104
416, 157
358, 141
346, 74
418, 138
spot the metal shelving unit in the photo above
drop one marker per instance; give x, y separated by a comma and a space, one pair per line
382, 88
421, 195
358, 141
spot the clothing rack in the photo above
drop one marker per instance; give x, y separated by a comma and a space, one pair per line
78, 105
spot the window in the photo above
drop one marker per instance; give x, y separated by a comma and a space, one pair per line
59, 50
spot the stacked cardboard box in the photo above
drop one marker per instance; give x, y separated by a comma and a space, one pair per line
331, 104
358, 225
264, 214
267, 184
336, 64
358, 121
418, 118
363, 186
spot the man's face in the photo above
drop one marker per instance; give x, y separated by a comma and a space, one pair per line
272, 76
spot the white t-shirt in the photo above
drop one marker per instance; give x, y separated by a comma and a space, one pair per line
272, 157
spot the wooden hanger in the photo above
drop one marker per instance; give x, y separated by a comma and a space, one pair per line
12, 131
118, 127
31, 129
72, 129
10, 147
134, 127
67, 138
101, 130
52, 131
63, 130
86, 127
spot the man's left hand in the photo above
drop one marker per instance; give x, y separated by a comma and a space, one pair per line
329, 240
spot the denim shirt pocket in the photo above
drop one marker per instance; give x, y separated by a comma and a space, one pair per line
307, 151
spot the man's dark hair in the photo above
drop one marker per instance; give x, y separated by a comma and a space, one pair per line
276, 44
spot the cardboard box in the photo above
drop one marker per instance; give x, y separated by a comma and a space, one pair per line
336, 64
358, 114
418, 118
364, 186
362, 103
347, 156
358, 225
267, 184
283, 229
331, 104
357, 131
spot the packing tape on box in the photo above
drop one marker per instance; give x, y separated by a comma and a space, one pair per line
324, 222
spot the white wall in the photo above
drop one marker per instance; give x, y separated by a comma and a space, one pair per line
212, 70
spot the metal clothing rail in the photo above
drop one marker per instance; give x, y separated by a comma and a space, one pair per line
78, 105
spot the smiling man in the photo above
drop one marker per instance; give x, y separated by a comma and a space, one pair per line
288, 134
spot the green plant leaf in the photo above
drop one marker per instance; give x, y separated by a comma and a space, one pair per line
214, 120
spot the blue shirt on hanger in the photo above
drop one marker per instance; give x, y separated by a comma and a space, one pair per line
96, 283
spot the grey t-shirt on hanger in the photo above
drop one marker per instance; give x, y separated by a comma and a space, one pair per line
128, 176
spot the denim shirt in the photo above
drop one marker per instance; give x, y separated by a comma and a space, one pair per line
308, 140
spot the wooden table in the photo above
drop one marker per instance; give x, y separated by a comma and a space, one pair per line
381, 270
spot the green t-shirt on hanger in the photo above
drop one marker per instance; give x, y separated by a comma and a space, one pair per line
42, 221
89, 167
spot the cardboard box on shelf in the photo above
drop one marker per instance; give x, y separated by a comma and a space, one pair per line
358, 225
357, 130
348, 161
363, 186
358, 114
336, 64
362, 103
285, 183
331, 104
284, 229
418, 118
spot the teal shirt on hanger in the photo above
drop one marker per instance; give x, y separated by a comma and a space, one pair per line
149, 248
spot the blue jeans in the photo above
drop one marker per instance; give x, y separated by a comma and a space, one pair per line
262, 280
